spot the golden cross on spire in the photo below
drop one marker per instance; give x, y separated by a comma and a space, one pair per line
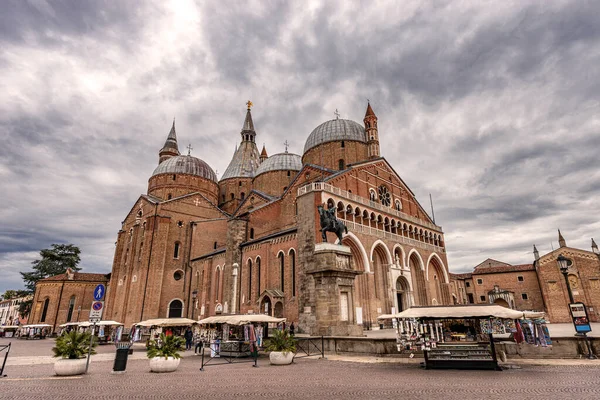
286, 144
190, 148
249, 104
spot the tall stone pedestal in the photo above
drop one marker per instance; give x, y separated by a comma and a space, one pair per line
328, 299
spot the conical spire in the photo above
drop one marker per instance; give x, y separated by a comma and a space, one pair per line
595, 247
263, 154
536, 253
369, 111
170, 149
561, 240
248, 133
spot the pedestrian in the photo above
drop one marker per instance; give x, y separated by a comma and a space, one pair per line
292, 328
188, 335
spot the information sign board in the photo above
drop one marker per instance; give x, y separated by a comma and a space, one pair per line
581, 320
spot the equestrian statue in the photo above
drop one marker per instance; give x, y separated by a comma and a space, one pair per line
329, 223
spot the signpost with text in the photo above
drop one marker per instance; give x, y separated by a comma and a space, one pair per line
95, 317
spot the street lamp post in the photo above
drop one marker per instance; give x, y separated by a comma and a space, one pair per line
564, 264
194, 296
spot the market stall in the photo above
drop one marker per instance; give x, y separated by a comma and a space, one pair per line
152, 328
461, 336
234, 335
106, 331
35, 331
8, 330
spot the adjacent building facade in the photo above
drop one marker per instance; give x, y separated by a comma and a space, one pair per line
539, 286
249, 242
9, 312
64, 298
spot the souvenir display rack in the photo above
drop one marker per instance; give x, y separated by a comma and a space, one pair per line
461, 355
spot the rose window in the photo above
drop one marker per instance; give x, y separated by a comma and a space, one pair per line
384, 195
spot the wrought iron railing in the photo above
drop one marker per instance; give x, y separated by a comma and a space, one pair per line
3, 348
310, 346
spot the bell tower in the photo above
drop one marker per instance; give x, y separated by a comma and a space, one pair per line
370, 121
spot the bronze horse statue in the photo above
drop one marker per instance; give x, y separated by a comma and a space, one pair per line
329, 223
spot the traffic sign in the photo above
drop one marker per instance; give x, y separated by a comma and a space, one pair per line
99, 292
96, 310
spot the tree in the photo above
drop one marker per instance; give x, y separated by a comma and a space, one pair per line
13, 294
54, 261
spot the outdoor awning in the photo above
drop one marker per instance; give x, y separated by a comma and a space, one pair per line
9, 327
100, 323
468, 311
36, 326
69, 324
167, 322
240, 319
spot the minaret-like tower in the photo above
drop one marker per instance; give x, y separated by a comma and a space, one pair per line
561, 240
263, 154
236, 181
371, 132
536, 253
170, 148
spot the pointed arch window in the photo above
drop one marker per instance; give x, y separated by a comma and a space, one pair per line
217, 283
341, 164
45, 310
71, 307
282, 271
258, 277
176, 250
249, 280
293, 265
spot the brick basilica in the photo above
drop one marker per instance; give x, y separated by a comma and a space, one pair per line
250, 242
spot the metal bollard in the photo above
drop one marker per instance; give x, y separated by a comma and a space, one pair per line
121, 357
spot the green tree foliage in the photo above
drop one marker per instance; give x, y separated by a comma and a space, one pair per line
74, 345
54, 261
166, 346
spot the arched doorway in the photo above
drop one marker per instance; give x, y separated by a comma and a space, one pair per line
175, 309
265, 306
402, 295
278, 310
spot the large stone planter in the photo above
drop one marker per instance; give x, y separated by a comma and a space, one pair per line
281, 358
66, 367
160, 364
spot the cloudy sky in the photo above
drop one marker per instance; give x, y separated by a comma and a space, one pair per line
493, 108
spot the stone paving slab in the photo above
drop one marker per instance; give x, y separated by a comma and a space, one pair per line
305, 379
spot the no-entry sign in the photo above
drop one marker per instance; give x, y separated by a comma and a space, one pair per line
96, 311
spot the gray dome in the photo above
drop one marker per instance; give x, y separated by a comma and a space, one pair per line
280, 162
334, 130
186, 165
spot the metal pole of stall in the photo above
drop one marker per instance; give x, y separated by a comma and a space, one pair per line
202, 367
87, 363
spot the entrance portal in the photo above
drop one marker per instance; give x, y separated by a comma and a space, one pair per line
402, 292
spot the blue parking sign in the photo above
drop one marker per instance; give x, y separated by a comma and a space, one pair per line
99, 292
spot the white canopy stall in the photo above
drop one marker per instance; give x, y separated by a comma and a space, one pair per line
424, 325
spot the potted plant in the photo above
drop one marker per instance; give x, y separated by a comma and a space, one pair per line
72, 348
282, 347
164, 353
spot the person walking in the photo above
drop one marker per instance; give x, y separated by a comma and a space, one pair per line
188, 335
292, 329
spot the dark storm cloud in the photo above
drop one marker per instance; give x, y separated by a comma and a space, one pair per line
491, 108
48, 22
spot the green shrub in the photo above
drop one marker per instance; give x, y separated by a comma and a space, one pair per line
281, 341
166, 346
74, 345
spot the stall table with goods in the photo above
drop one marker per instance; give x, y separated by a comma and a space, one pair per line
35, 331
8, 330
152, 328
462, 336
235, 335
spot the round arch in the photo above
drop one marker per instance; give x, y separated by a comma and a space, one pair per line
403, 254
388, 255
363, 253
442, 266
175, 308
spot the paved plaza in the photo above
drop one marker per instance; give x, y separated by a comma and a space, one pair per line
332, 378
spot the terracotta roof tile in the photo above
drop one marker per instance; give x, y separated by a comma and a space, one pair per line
503, 268
78, 276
